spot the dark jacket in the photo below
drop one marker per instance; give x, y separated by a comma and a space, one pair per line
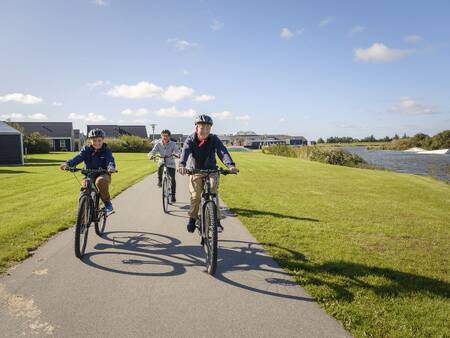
93, 159
204, 157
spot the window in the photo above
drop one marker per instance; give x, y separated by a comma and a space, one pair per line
62, 143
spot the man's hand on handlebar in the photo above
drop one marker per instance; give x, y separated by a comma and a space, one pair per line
63, 166
233, 170
182, 170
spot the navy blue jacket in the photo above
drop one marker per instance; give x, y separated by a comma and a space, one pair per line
94, 159
204, 157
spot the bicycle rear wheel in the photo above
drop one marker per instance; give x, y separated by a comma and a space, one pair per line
82, 226
165, 195
210, 236
100, 223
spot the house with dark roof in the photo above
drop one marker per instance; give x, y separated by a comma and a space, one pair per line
59, 134
11, 145
116, 130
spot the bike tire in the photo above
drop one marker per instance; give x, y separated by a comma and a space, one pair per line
165, 199
210, 234
82, 226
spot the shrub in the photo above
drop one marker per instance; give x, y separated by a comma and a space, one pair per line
35, 143
129, 144
328, 155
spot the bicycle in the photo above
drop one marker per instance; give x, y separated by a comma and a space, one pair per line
207, 221
166, 184
88, 210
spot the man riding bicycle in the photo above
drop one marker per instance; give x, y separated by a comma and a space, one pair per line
165, 147
96, 155
202, 147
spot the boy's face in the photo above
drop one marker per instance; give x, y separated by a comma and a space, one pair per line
203, 130
165, 137
97, 142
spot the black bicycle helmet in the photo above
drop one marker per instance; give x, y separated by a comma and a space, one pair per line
203, 118
166, 131
96, 133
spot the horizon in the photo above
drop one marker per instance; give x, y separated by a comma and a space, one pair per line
301, 69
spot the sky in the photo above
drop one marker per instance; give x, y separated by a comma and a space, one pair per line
310, 68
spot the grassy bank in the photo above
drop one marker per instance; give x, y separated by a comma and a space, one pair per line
373, 247
330, 155
37, 200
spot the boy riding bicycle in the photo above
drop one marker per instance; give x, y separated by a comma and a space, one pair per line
96, 155
165, 147
202, 147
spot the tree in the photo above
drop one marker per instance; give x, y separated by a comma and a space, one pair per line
36, 144
320, 140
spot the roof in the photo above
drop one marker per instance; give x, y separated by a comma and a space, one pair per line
49, 129
113, 130
6, 129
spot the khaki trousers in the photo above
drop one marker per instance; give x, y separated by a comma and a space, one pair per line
196, 188
102, 183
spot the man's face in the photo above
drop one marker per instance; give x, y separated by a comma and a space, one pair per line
165, 137
97, 142
203, 130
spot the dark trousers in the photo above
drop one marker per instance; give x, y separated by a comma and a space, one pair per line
171, 172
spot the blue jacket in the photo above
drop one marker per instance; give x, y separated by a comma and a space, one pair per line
204, 157
94, 159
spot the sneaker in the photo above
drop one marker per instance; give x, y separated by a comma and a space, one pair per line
109, 208
173, 199
191, 225
159, 184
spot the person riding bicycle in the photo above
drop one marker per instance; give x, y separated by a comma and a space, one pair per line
165, 146
201, 147
96, 155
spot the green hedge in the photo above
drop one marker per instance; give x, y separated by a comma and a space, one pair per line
320, 154
129, 144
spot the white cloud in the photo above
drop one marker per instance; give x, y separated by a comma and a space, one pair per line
21, 98
204, 98
174, 112
410, 106
242, 118
286, 34
136, 112
413, 39
38, 116
356, 29
282, 120
181, 44
58, 104
222, 115
11, 116
185, 72
95, 84
146, 89
141, 90
378, 52
216, 25
326, 21
101, 3
90, 117
177, 93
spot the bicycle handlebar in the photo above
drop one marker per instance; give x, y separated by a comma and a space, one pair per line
210, 171
89, 171
166, 157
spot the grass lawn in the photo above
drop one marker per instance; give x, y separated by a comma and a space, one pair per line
37, 199
373, 247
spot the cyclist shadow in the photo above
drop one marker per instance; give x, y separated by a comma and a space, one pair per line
241, 264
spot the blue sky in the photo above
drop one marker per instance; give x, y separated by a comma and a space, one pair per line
312, 68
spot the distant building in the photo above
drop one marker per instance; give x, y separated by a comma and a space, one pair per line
114, 131
11, 145
59, 134
250, 139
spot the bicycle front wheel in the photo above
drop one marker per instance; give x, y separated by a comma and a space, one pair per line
100, 223
210, 236
165, 195
82, 226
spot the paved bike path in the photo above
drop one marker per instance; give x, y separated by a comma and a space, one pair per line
146, 278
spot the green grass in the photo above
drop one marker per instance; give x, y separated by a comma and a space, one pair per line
372, 247
37, 200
